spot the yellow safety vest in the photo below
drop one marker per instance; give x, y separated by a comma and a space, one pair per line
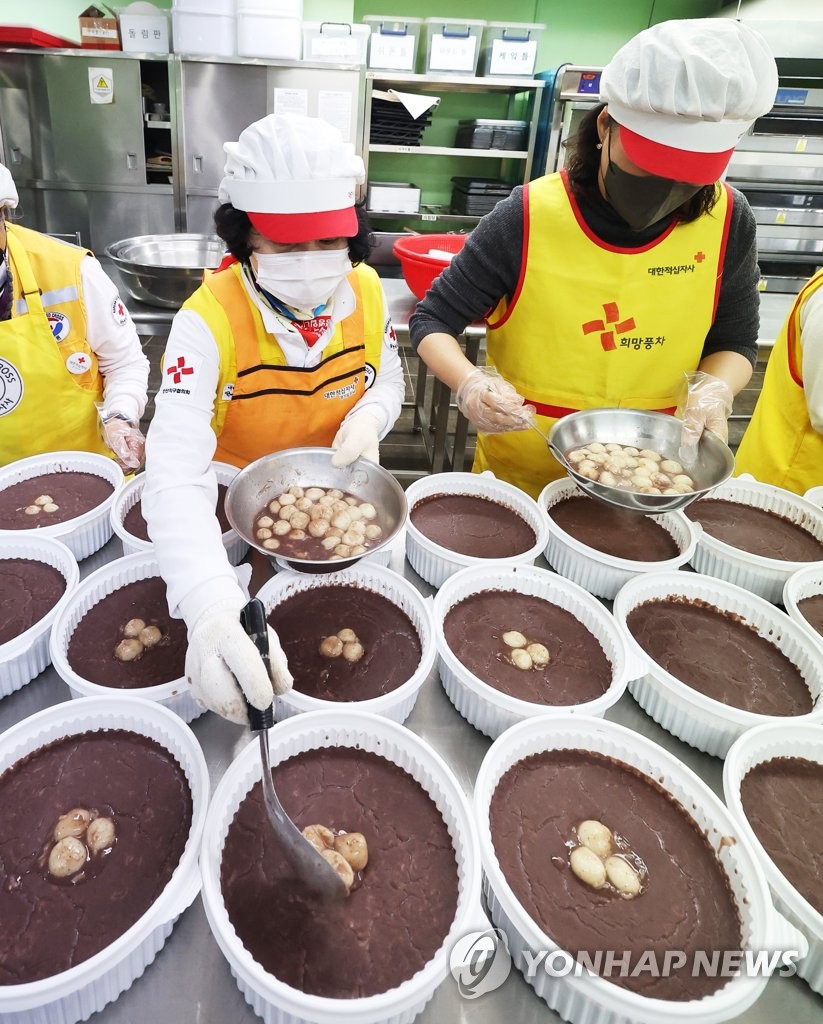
592, 325
780, 446
49, 377
264, 405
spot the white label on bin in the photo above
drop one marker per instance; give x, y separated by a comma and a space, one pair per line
346, 48
512, 57
452, 53
388, 51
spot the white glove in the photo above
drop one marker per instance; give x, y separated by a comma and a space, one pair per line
357, 437
489, 402
706, 404
126, 441
221, 660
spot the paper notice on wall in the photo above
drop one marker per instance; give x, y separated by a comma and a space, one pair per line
101, 85
291, 101
336, 108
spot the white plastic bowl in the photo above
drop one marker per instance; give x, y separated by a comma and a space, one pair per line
596, 1000
132, 492
396, 704
26, 655
86, 533
815, 495
175, 694
696, 719
806, 582
490, 710
755, 746
435, 563
595, 571
77, 993
765, 577
273, 1000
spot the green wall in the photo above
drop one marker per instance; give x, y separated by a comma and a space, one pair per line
584, 35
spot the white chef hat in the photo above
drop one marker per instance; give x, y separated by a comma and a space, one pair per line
685, 92
8, 193
295, 177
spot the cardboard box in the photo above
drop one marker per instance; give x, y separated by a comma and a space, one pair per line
98, 30
144, 28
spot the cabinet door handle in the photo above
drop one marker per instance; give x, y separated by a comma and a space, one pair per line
197, 163
131, 161
16, 155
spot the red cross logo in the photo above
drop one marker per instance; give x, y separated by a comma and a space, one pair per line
612, 316
121, 309
699, 257
81, 360
179, 369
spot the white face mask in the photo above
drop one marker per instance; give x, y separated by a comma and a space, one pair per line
303, 280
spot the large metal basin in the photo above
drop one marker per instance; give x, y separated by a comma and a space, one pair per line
163, 270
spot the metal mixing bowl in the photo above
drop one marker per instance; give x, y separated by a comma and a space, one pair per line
653, 430
256, 485
164, 270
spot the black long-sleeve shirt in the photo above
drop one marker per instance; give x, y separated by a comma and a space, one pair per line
489, 265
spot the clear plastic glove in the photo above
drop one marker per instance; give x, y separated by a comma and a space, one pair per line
357, 438
222, 660
706, 404
124, 439
491, 403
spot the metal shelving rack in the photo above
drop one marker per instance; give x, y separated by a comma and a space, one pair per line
429, 83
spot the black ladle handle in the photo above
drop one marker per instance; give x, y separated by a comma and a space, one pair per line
253, 620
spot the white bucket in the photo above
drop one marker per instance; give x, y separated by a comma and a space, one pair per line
595, 571
85, 533
693, 717
175, 694
260, 34
804, 583
490, 710
751, 749
77, 993
435, 563
274, 1001
590, 999
765, 577
26, 655
396, 704
132, 492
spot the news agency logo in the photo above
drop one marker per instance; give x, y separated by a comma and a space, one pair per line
480, 962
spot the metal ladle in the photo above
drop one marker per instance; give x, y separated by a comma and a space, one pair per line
312, 870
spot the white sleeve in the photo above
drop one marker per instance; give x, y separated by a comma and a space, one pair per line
112, 336
180, 493
811, 337
384, 398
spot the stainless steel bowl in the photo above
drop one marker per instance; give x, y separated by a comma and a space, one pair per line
256, 485
653, 430
164, 270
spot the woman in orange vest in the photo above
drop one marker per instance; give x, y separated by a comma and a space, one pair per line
288, 344
606, 283
783, 444
67, 343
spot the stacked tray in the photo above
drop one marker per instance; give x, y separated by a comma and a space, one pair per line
475, 197
393, 125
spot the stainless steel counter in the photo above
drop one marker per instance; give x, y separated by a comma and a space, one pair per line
190, 982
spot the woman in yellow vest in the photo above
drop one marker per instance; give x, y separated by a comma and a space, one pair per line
73, 375
606, 283
288, 343
783, 444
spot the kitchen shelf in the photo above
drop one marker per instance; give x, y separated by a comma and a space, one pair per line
428, 215
498, 154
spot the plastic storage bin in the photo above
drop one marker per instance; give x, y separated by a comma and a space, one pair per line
393, 197
204, 32
453, 47
260, 34
509, 49
144, 29
274, 8
335, 42
393, 42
